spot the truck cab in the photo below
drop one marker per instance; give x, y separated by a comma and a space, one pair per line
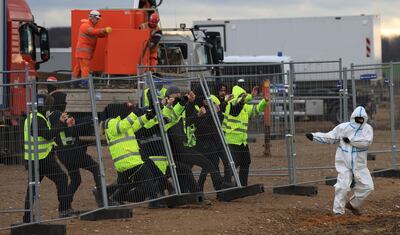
190, 47
19, 35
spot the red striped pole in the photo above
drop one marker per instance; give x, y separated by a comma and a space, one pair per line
368, 47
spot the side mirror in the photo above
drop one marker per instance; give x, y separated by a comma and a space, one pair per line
28, 34
44, 44
26, 40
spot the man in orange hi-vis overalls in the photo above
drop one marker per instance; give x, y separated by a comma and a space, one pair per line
87, 39
155, 37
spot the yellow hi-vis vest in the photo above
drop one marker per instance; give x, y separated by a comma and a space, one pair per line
161, 162
235, 128
44, 146
189, 130
122, 143
173, 114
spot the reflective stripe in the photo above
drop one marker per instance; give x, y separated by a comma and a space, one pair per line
233, 120
42, 142
84, 49
141, 121
87, 35
254, 109
122, 140
130, 120
106, 125
157, 34
158, 158
241, 130
152, 139
236, 121
39, 150
118, 130
133, 154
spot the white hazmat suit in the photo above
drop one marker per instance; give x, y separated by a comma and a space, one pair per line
350, 159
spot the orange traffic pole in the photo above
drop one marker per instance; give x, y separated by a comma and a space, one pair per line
267, 118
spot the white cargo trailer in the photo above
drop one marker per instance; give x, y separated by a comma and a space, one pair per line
342, 40
355, 39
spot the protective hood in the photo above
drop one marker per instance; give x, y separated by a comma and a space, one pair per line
115, 110
59, 101
237, 91
359, 112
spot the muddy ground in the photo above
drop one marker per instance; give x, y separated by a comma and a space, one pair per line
264, 213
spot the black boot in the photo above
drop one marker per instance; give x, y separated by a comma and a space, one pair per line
98, 197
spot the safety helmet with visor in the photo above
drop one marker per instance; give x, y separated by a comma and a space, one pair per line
95, 14
154, 19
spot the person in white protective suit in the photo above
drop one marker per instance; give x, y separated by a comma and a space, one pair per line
354, 138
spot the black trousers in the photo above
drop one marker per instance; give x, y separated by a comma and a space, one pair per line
49, 168
212, 149
187, 182
191, 157
241, 157
74, 159
140, 177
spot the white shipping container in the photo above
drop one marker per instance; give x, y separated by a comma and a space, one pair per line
355, 39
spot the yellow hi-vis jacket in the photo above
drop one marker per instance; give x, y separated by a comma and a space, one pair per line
161, 162
146, 101
44, 146
235, 127
172, 114
122, 143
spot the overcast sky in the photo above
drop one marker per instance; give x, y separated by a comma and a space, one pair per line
51, 13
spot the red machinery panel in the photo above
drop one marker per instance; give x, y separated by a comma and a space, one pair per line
18, 12
120, 51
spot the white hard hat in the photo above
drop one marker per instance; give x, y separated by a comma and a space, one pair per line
95, 13
51, 79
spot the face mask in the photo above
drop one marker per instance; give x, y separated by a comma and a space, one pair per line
359, 120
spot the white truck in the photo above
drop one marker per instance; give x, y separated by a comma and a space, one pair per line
344, 40
355, 39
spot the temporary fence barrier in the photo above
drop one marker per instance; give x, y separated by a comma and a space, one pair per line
302, 97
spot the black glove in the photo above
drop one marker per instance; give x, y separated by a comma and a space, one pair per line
346, 140
310, 136
183, 101
150, 114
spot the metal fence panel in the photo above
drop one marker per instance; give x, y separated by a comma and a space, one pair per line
13, 167
89, 118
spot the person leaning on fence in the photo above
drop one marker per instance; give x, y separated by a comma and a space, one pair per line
70, 150
132, 171
222, 96
47, 163
208, 140
354, 138
152, 149
235, 126
181, 134
86, 44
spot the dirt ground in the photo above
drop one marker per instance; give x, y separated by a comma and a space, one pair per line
264, 213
